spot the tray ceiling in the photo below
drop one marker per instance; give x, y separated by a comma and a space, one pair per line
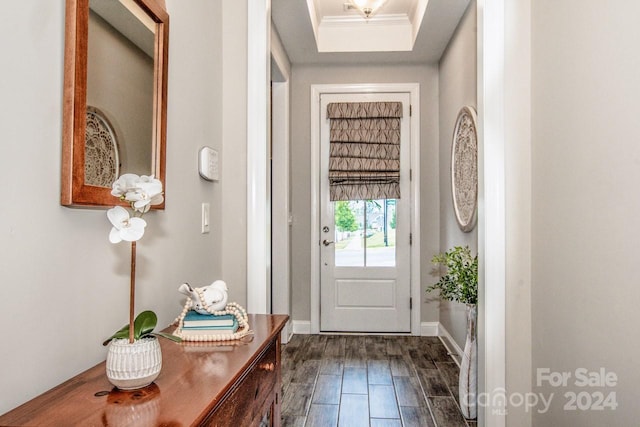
402, 31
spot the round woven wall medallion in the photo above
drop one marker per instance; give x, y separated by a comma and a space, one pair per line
464, 169
101, 162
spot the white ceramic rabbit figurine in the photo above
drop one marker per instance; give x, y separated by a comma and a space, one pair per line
215, 296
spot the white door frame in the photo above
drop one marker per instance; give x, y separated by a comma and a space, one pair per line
316, 90
258, 88
280, 205
492, 210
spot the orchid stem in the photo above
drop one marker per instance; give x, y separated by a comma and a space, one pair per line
132, 291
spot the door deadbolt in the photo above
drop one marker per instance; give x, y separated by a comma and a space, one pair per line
325, 229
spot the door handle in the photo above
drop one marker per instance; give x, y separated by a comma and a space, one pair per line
327, 242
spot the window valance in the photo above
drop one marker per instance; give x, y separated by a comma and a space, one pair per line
364, 154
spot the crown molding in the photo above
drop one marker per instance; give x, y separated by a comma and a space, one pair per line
389, 19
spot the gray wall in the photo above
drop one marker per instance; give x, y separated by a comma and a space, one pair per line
64, 286
302, 79
585, 170
457, 89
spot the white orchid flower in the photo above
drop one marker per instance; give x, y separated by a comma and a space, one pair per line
125, 227
147, 192
149, 178
124, 184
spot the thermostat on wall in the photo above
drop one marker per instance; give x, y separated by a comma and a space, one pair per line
208, 164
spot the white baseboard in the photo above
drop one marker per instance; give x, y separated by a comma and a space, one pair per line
287, 332
450, 343
429, 329
302, 327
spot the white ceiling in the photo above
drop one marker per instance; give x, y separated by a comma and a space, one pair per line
130, 20
299, 25
391, 28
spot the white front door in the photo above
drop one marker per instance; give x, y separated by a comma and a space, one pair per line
365, 270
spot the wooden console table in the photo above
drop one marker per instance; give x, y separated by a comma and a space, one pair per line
235, 383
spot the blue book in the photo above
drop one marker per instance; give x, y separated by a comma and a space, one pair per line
195, 319
210, 330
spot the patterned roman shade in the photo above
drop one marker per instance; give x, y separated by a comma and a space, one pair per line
364, 156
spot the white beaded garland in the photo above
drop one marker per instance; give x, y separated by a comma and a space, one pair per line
231, 308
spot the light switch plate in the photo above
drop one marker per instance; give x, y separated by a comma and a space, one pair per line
205, 218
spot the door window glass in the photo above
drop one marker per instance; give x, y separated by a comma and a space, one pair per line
365, 233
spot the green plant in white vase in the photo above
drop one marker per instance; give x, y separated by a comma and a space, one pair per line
143, 327
129, 368
459, 282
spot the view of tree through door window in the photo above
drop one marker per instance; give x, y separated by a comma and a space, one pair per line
365, 233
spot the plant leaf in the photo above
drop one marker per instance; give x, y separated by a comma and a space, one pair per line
168, 336
144, 324
122, 333
459, 275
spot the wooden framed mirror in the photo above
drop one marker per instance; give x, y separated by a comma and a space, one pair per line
115, 96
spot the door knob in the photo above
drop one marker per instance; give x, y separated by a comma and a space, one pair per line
327, 242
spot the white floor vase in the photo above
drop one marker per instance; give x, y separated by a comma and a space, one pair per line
133, 365
468, 381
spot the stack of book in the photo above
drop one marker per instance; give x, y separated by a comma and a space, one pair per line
196, 324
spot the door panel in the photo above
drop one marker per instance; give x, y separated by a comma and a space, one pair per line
364, 245
349, 293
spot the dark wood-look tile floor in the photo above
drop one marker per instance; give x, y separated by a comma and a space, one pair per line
369, 381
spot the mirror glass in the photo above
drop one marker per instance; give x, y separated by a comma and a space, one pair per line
115, 80
120, 90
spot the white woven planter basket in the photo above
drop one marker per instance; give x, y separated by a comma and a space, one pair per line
132, 366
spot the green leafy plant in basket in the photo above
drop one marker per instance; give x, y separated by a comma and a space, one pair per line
459, 279
143, 326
